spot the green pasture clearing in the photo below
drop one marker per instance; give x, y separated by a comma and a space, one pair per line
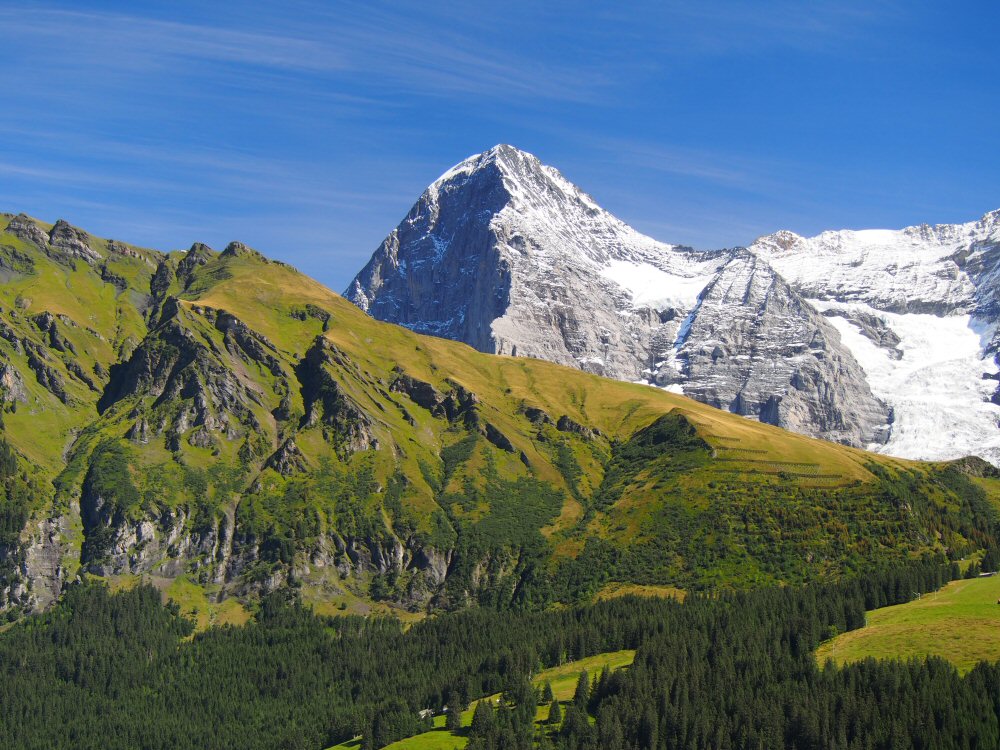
960, 623
563, 679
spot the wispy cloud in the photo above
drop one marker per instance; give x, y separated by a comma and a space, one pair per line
693, 165
309, 127
355, 41
732, 26
153, 42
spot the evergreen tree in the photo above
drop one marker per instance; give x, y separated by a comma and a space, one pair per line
724, 670
991, 560
576, 730
519, 704
453, 720
598, 689
648, 730
582, 694
483, 719
546, 696
555, 714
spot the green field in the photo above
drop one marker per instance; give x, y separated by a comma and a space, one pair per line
563, 679
614, 589
960, 623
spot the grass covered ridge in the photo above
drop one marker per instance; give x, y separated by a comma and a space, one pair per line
258, 429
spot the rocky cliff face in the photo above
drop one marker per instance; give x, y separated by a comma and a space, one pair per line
755, 347
222, 417
455, 280
147, 431
505, 254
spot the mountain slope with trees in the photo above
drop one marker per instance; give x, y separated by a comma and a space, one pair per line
218, 415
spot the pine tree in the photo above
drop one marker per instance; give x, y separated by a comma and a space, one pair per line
453, 721
546, 696
991, 560
576, 729
599, 689
555, 714
582, 694
483, 719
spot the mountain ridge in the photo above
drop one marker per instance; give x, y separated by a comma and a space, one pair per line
577, 286
244, 428
918, 307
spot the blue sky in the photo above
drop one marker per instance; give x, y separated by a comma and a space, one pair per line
308, 129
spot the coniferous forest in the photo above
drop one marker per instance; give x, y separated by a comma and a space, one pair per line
103, 670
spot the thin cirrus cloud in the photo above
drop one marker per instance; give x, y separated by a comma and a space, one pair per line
85, 37
351, 46
714, 168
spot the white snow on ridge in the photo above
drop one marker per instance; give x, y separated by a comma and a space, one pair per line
560, 278
653, 287
889, 269
939, 396
926, 283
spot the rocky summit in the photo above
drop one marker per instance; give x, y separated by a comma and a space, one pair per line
882, 339
505, 254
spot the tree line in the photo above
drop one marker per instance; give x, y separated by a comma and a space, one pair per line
726, 670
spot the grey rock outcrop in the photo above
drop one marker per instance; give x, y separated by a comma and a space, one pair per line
73, 242
327, 404
24, 228
63, 242
451, 279
12, 388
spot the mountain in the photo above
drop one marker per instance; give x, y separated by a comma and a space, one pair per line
505, 254
918, 308
880, 339
224, 426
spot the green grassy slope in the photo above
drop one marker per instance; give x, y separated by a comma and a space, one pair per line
960, 623
246, 427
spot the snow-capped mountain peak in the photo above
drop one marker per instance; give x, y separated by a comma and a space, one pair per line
860, 336
506, 254
522, 173
504, 216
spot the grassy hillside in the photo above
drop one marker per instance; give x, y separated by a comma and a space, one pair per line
562, 680
221, 417
960, 623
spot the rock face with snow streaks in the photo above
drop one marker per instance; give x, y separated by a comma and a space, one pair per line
755, 347
505, 254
